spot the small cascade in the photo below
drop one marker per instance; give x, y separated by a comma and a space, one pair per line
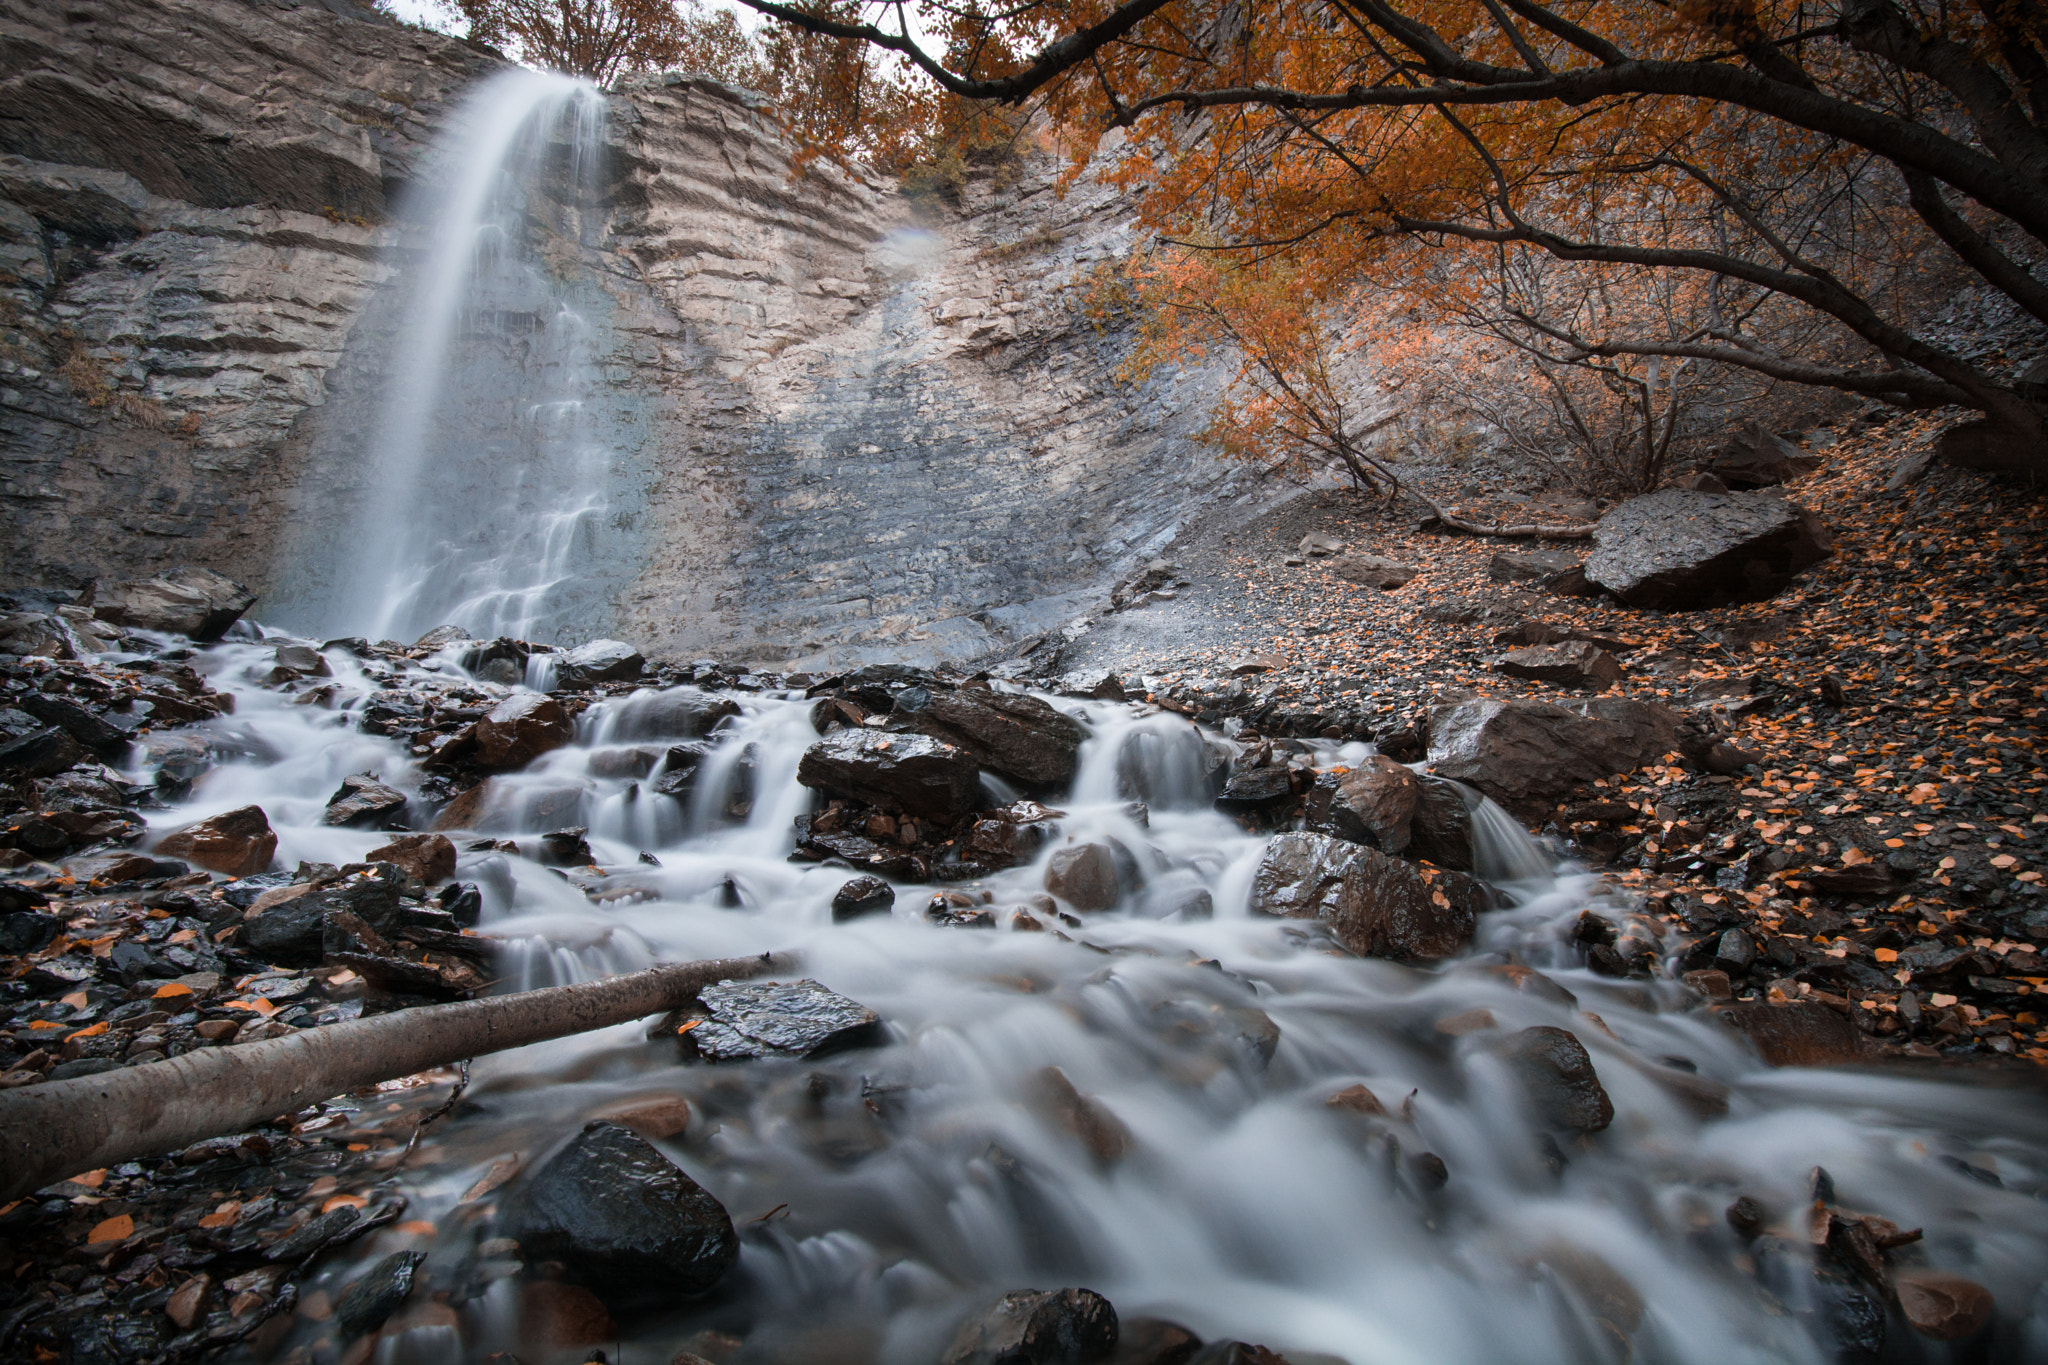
483, 498
883, 1193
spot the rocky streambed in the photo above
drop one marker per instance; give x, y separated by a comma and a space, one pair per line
1111, 1038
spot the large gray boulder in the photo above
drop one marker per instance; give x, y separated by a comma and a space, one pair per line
1526, 754
599, 661
1677, 549
901, 773
184, 601
1375, 905
1018, 737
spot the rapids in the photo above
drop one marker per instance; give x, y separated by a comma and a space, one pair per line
883, 1194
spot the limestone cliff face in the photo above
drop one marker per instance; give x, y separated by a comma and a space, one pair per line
842, 424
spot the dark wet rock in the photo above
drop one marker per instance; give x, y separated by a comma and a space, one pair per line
365, 803
306, 660
622, 1218
1575, 663
1018, 737
1943, 1306
1085, 876
1441, 831
597, 662
1011, 836
748, 1020
1525, 754
370, 1301
1375, 905
41, 753
1372, 571
88, 728
1154, 1341
564, 848
1756, 458
1038, 1327
1797, 1032
237, 843
429, 857
25, 931
79, 792
1677, 549
1251, 789
862, 896
1083, 1117
1528, 566
183, 601
520, 729
900, 773
1558, 1077
1374, 803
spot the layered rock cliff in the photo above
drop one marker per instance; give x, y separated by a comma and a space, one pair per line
839, 422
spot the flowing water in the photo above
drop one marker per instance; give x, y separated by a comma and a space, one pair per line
483, 496
884, 1192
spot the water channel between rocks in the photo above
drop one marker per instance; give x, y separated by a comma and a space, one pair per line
886, 1192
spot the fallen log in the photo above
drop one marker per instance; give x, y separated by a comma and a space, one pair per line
61, 1128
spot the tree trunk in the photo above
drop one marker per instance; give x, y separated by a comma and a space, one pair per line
60, 1128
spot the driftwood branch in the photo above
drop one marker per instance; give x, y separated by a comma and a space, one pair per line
1578, 530
60, 1128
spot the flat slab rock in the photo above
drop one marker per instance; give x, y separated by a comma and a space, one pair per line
901, 773
748, 1020
1677, 549
1524, 754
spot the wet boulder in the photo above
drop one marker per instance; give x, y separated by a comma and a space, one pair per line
520, 729
862, 896
369, 1302
1675, 549
1526, 754
1441, 831
1558, 1077
184, 601
1018, 737
1038, 1327
1797, 1032
41, 753
1154, 1341
89, 729
738, 1021
429, 857
598, 662
1573, 663
1376, 906
236, 843
907, 774
1252, 789
1085, 877
1943, 1306
363, 802
1374, 803
622, 1218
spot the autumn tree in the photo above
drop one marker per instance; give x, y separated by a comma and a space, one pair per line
1802, 158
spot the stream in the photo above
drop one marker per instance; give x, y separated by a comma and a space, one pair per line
887, 1192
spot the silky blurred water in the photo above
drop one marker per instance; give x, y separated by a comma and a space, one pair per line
883, 1193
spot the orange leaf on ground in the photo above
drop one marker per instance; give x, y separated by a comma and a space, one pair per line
116, 1229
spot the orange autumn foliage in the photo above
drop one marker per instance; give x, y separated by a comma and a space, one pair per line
1820, 169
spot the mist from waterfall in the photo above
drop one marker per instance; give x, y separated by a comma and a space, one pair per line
483, 488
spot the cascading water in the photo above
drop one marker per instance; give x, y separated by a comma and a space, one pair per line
885, 1192
484, 490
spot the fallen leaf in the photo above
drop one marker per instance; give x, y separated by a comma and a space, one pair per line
116, 1229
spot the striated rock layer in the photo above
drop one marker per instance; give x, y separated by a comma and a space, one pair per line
841, 424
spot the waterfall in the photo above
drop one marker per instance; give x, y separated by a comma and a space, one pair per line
482, 493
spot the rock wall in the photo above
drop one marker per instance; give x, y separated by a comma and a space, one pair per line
846, 424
